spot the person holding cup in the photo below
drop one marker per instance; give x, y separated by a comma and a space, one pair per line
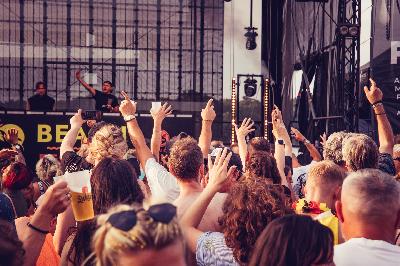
113, 181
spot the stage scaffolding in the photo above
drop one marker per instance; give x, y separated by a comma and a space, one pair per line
155, 50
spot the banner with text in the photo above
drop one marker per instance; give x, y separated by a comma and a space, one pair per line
43, 133
385, 63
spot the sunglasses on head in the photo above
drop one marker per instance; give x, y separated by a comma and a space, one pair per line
126, 220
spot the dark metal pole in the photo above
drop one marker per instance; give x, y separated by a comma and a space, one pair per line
158, 54
180, 45
21, 52
202, 7
136, 45
91, 33
69, 43
194, 48
45, 39
114, 42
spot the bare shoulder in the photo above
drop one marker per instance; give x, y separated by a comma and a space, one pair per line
219, 199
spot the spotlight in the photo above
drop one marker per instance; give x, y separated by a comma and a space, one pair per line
250, 87
251, 35
348, 30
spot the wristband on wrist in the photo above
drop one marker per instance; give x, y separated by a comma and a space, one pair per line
381, 114
377, 105
128, 118
207, 120
380, 101
34, 228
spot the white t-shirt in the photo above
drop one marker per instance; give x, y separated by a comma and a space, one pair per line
362, 251
299, 178
161, 182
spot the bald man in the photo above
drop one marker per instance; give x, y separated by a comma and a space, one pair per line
369, 212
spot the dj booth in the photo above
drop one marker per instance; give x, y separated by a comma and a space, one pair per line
42, 132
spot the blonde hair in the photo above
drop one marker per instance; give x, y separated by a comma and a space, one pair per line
110, 242
360, 152
48, 167
325, 175
107, 142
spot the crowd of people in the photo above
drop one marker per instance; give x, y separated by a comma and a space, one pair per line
183, 201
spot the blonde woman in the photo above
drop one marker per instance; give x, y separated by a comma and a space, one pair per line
107, 141
132, 235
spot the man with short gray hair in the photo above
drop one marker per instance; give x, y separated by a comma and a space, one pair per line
369, 212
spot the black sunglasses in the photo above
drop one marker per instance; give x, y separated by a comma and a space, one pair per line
126, 220
396, 159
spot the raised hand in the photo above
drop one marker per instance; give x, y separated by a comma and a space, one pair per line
160, 114
373, 94
77, 120
78, 74
208, 113
323, 139
218, 171
12, 136
127, 107
297, 134
245, 128
8, 154
56, 199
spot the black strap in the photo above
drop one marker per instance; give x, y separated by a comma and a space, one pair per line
37, 229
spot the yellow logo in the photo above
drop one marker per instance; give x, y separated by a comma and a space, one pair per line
4, 131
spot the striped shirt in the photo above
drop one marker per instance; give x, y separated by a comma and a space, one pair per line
211, 249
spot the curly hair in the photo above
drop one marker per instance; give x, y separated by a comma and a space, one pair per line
110, 243
48, 167
251, 205
258, 144
360, 152
263, 165
333, 147
185, 159
108, 141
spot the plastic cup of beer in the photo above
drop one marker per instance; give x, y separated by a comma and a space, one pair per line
81, 194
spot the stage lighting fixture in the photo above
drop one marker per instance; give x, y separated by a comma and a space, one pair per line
251, 35
250, 87
349, 30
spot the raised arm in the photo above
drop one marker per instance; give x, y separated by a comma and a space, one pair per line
241, 133
207, 115
55, 201
70, 138
192, 217
314, 153
84, 84
280, 133
128, 110
385, 132
158, 117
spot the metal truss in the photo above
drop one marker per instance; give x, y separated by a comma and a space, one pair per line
348, 63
